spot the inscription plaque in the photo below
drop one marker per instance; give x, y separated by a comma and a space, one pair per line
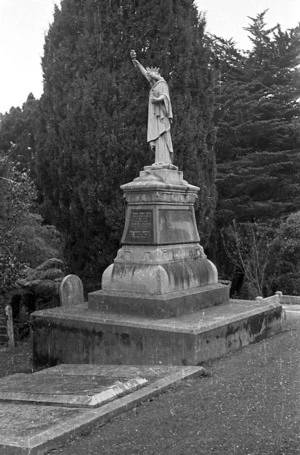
177, 226
140, 229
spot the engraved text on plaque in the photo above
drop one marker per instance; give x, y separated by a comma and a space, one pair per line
140, 229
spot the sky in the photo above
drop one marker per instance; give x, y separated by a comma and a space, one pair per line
23, 24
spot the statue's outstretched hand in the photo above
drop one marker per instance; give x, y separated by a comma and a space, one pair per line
137, 64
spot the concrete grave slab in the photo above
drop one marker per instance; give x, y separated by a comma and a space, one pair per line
35, 428
72, 391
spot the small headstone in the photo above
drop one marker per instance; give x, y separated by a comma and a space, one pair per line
71, 291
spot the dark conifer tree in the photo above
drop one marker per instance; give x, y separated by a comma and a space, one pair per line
93, 116
17, 134
258, 138
258, 92
258, 125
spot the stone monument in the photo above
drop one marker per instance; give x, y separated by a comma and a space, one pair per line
160, 301
161, 269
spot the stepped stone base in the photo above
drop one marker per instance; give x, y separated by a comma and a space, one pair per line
79, 335
162, 305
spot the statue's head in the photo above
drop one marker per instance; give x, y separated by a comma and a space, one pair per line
153, 72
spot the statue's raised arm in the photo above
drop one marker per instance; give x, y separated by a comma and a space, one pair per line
159, 113
137, 64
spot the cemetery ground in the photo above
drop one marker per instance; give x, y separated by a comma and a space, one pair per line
17, 360
248, 403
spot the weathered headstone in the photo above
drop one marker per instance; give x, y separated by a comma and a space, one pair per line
71, 291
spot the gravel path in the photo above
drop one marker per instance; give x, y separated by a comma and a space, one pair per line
248, 405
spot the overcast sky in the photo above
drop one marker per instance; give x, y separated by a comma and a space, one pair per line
23, 24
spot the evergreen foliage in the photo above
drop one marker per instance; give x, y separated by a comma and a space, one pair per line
16, 199
17, 135
93, 116
258, 114
24, 240
258, 92
258, 137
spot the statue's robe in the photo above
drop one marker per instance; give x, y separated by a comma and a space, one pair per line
159, 123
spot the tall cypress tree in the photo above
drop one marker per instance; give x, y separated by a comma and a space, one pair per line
93, 115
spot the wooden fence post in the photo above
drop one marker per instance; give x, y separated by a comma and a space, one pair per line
10, 326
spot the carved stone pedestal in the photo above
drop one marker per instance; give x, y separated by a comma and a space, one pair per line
161, 269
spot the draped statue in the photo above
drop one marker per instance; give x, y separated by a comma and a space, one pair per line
159, 113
